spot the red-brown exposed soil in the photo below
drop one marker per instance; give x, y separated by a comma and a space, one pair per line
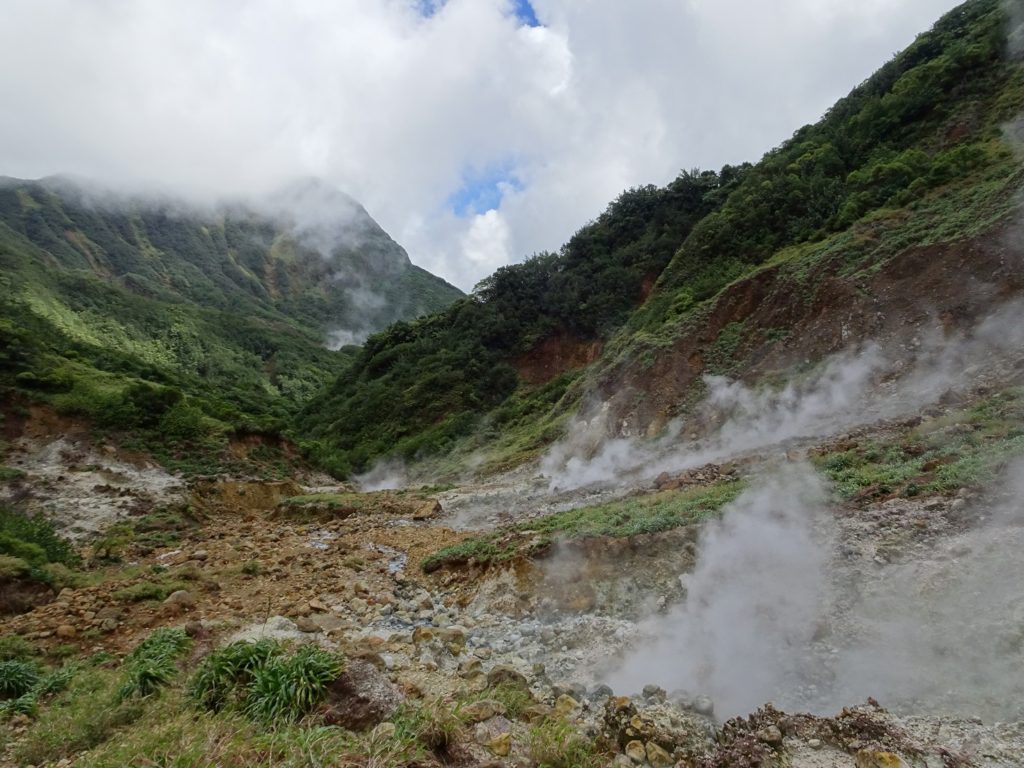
554, 356
947, 285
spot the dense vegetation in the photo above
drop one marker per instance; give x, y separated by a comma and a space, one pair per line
926, 130
420, 385
932, 117
181, 327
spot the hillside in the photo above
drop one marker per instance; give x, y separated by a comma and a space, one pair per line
146, 314
735, 479
512, 348
922, 153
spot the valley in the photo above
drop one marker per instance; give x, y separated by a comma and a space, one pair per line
733, 479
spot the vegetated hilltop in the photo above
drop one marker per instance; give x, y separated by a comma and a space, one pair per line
749, 264
149, 316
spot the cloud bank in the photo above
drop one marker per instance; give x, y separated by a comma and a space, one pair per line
473, 137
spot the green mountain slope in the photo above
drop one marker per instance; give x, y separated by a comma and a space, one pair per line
419, 386
149, 316
917, 154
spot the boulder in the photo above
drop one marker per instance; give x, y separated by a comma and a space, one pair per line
636, 751
503, 673
361, 698
657, 756
180, 600
482, 710
427, 510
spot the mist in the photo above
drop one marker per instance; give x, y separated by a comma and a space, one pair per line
946, 632
754, 600
855, 387
385, 475
405, 109
776, 611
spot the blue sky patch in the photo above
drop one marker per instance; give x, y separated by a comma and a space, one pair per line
482, 191
525, 13
428, 8
523, 10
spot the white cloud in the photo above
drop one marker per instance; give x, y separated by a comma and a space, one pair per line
238, 96
486, 242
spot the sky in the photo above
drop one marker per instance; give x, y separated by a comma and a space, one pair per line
476, 132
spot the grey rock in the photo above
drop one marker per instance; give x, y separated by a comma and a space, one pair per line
361, 698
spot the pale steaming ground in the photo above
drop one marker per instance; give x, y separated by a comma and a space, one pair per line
946, 633
386, 475
850, 389
753, 603
769, 616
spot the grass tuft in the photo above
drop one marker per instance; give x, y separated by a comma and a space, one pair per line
225, 674
286, 688
153, 664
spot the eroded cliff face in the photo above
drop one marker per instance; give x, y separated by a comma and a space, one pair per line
786, 318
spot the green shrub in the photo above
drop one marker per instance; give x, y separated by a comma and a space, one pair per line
17, 678
27, 685
13, 567
224, 676
28, 704
56, 681
288, 687
37, 531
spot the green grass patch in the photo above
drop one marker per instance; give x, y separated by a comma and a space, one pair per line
557, 744
965, 448
635, 516
149, 590
10, 474
264, 682
347, 501
153, 664
79, 719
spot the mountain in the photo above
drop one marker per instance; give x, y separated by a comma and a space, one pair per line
746, 272
149, 313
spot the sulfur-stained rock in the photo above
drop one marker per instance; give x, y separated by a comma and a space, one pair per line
501, 744
427, 510
178, 601
636, 751
502, 673
870, 758
657, 756
770, 735
537, 713
565, 705
482, 710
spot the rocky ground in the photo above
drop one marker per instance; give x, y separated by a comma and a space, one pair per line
244, 563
